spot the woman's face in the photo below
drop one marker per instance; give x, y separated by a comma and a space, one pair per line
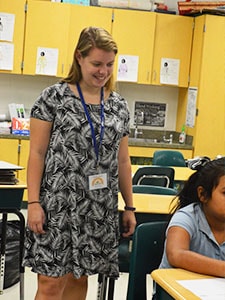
215, 207
97, 67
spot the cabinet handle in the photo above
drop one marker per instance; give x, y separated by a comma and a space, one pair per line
19, 147
154, 75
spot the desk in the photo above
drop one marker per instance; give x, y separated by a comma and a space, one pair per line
149, 203
149, 207
181, 173
11, 195
169, 288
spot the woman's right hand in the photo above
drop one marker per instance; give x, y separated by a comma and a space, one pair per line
36, 218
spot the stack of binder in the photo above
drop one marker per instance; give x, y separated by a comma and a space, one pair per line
8, 177
8, 173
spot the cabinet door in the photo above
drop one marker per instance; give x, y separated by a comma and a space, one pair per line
24, 146
9, 150
84, 16
209, 136
133, 32
47, 26
16, 7
173, 40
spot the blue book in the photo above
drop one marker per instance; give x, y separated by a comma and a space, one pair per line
79, 2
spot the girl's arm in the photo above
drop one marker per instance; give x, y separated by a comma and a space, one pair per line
179, 255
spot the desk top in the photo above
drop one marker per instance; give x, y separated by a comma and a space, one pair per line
167, 279
149, 203
4, 165
181, 173
19, 185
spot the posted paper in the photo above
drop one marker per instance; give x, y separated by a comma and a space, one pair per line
169, 72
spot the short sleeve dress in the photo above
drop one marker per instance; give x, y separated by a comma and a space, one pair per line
82, 228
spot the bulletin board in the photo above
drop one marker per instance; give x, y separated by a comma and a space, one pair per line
150, 114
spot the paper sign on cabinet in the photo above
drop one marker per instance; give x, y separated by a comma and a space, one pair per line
47, 61
169, 72
6, 56
7, 22
127, 68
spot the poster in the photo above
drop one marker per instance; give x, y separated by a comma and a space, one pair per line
191, 107
150, 114
127, 68
47, 61
7, 23
6, 56
169, 72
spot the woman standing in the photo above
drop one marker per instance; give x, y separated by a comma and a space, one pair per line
77, 163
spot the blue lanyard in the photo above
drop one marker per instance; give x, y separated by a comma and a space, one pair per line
96, 147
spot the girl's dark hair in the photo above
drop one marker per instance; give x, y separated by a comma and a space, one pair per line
208, 177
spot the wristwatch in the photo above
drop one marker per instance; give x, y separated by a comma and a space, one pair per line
131, 208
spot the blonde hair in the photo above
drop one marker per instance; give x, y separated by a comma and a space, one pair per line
91, 37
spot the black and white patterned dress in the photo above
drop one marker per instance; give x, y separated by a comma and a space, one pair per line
81, 224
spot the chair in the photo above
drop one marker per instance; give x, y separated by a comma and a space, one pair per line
168, 158
152, 189
154, 175
147, 249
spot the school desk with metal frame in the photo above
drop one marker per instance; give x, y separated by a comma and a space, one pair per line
167, 286
10, 203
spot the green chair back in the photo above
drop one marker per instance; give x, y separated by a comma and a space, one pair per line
147, 249
152, 189
168, 158
154, 175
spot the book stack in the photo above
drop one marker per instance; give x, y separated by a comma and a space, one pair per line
8, 177
8, 173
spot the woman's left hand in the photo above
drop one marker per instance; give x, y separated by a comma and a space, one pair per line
129, 223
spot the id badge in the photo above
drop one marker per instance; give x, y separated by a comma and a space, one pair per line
98, 181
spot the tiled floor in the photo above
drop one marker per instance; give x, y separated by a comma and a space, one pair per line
30, 285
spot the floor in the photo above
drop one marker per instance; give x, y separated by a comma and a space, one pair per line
30, 285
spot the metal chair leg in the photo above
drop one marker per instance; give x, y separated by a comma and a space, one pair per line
3, 247
111, 288
102, 286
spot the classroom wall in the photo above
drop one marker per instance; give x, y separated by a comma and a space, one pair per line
25, 89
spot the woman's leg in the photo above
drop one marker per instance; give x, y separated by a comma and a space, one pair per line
50, 288
75, 289
61, 288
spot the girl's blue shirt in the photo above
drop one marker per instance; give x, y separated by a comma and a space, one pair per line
193, 220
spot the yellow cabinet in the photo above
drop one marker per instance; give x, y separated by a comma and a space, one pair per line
47, 26
207, 74
173, 40
16, 151
133, 32
9, 150
57, 26
81, 17
17, 8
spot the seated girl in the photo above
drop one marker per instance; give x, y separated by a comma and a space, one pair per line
195, 237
